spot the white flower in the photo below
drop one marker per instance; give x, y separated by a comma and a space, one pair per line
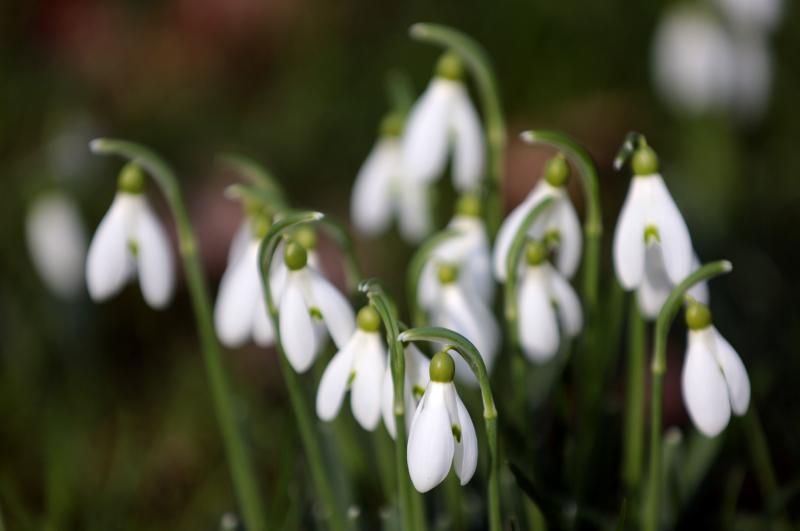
546, 300
310, 308
130, 241
358, 366
441, 434
558, 221
416, 380
656, 285
382, 191
649, 217
444, 119
714, 378
57, 242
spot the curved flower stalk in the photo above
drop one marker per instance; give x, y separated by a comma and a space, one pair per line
477, 61
242, 471
383, 189
428, 421
548, 307
656, 285
658, 368
558, 226
130, 242
357, 367
714, 379
56, 240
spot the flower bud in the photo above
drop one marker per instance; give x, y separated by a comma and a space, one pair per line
469, 205
698, 316
131, 179
450, 67
306, 237
556, 172
645, 160
368, 319
295, 256
442, 368
536, 252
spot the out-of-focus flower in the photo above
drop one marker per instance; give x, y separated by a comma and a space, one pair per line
130, 241
383, 191
558, 225
416, 380
442, 434
546, 300
752, 15
310, 308
57, 242
714, 378
359, 367
444, 119
650, 217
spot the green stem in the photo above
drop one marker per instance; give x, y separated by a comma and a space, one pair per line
759, 453
658, 368
634, 402
477, 60
302, 413
473, 358
397, 360
399, 91
239, 460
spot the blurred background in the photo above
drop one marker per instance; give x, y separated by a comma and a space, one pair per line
105, 418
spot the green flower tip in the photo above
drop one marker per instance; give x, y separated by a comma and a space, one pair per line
651, 234
295, 255
469, 205
131, 179
536, 253
443, 368
645, 160
450, 66
368, 319
447, 273
698, 316
260, 225
306, 237
556, 172
392, 125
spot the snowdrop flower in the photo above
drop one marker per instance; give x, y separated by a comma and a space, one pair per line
558, 225
546, 300
57, 243
382, 190
240, 311
441, 434
650, 218
359, 367
444, 119
714, 379
416, 380
309, 309
130, 241
656, 285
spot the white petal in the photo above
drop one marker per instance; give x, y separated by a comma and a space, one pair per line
469, 148
296, 327
108, 264
240, 241
510, 227
417, 367
673, 233
571, 238
704, 389
424, 152
336, 310
430, 440
333, 384
467, 315
655, 286
263, 331
465, 459
365, 394
239, 292
569, 305
387, 402
414, 211
537, 319
629, 235
371, 207
735, 374
154, 259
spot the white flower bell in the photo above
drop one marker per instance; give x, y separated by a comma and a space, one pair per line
416, 380
558, 225
714, 378
444, 119
309, 309
547, 303
359, 367
130, 241
649, 218
382, 190
56, 241
442, 434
